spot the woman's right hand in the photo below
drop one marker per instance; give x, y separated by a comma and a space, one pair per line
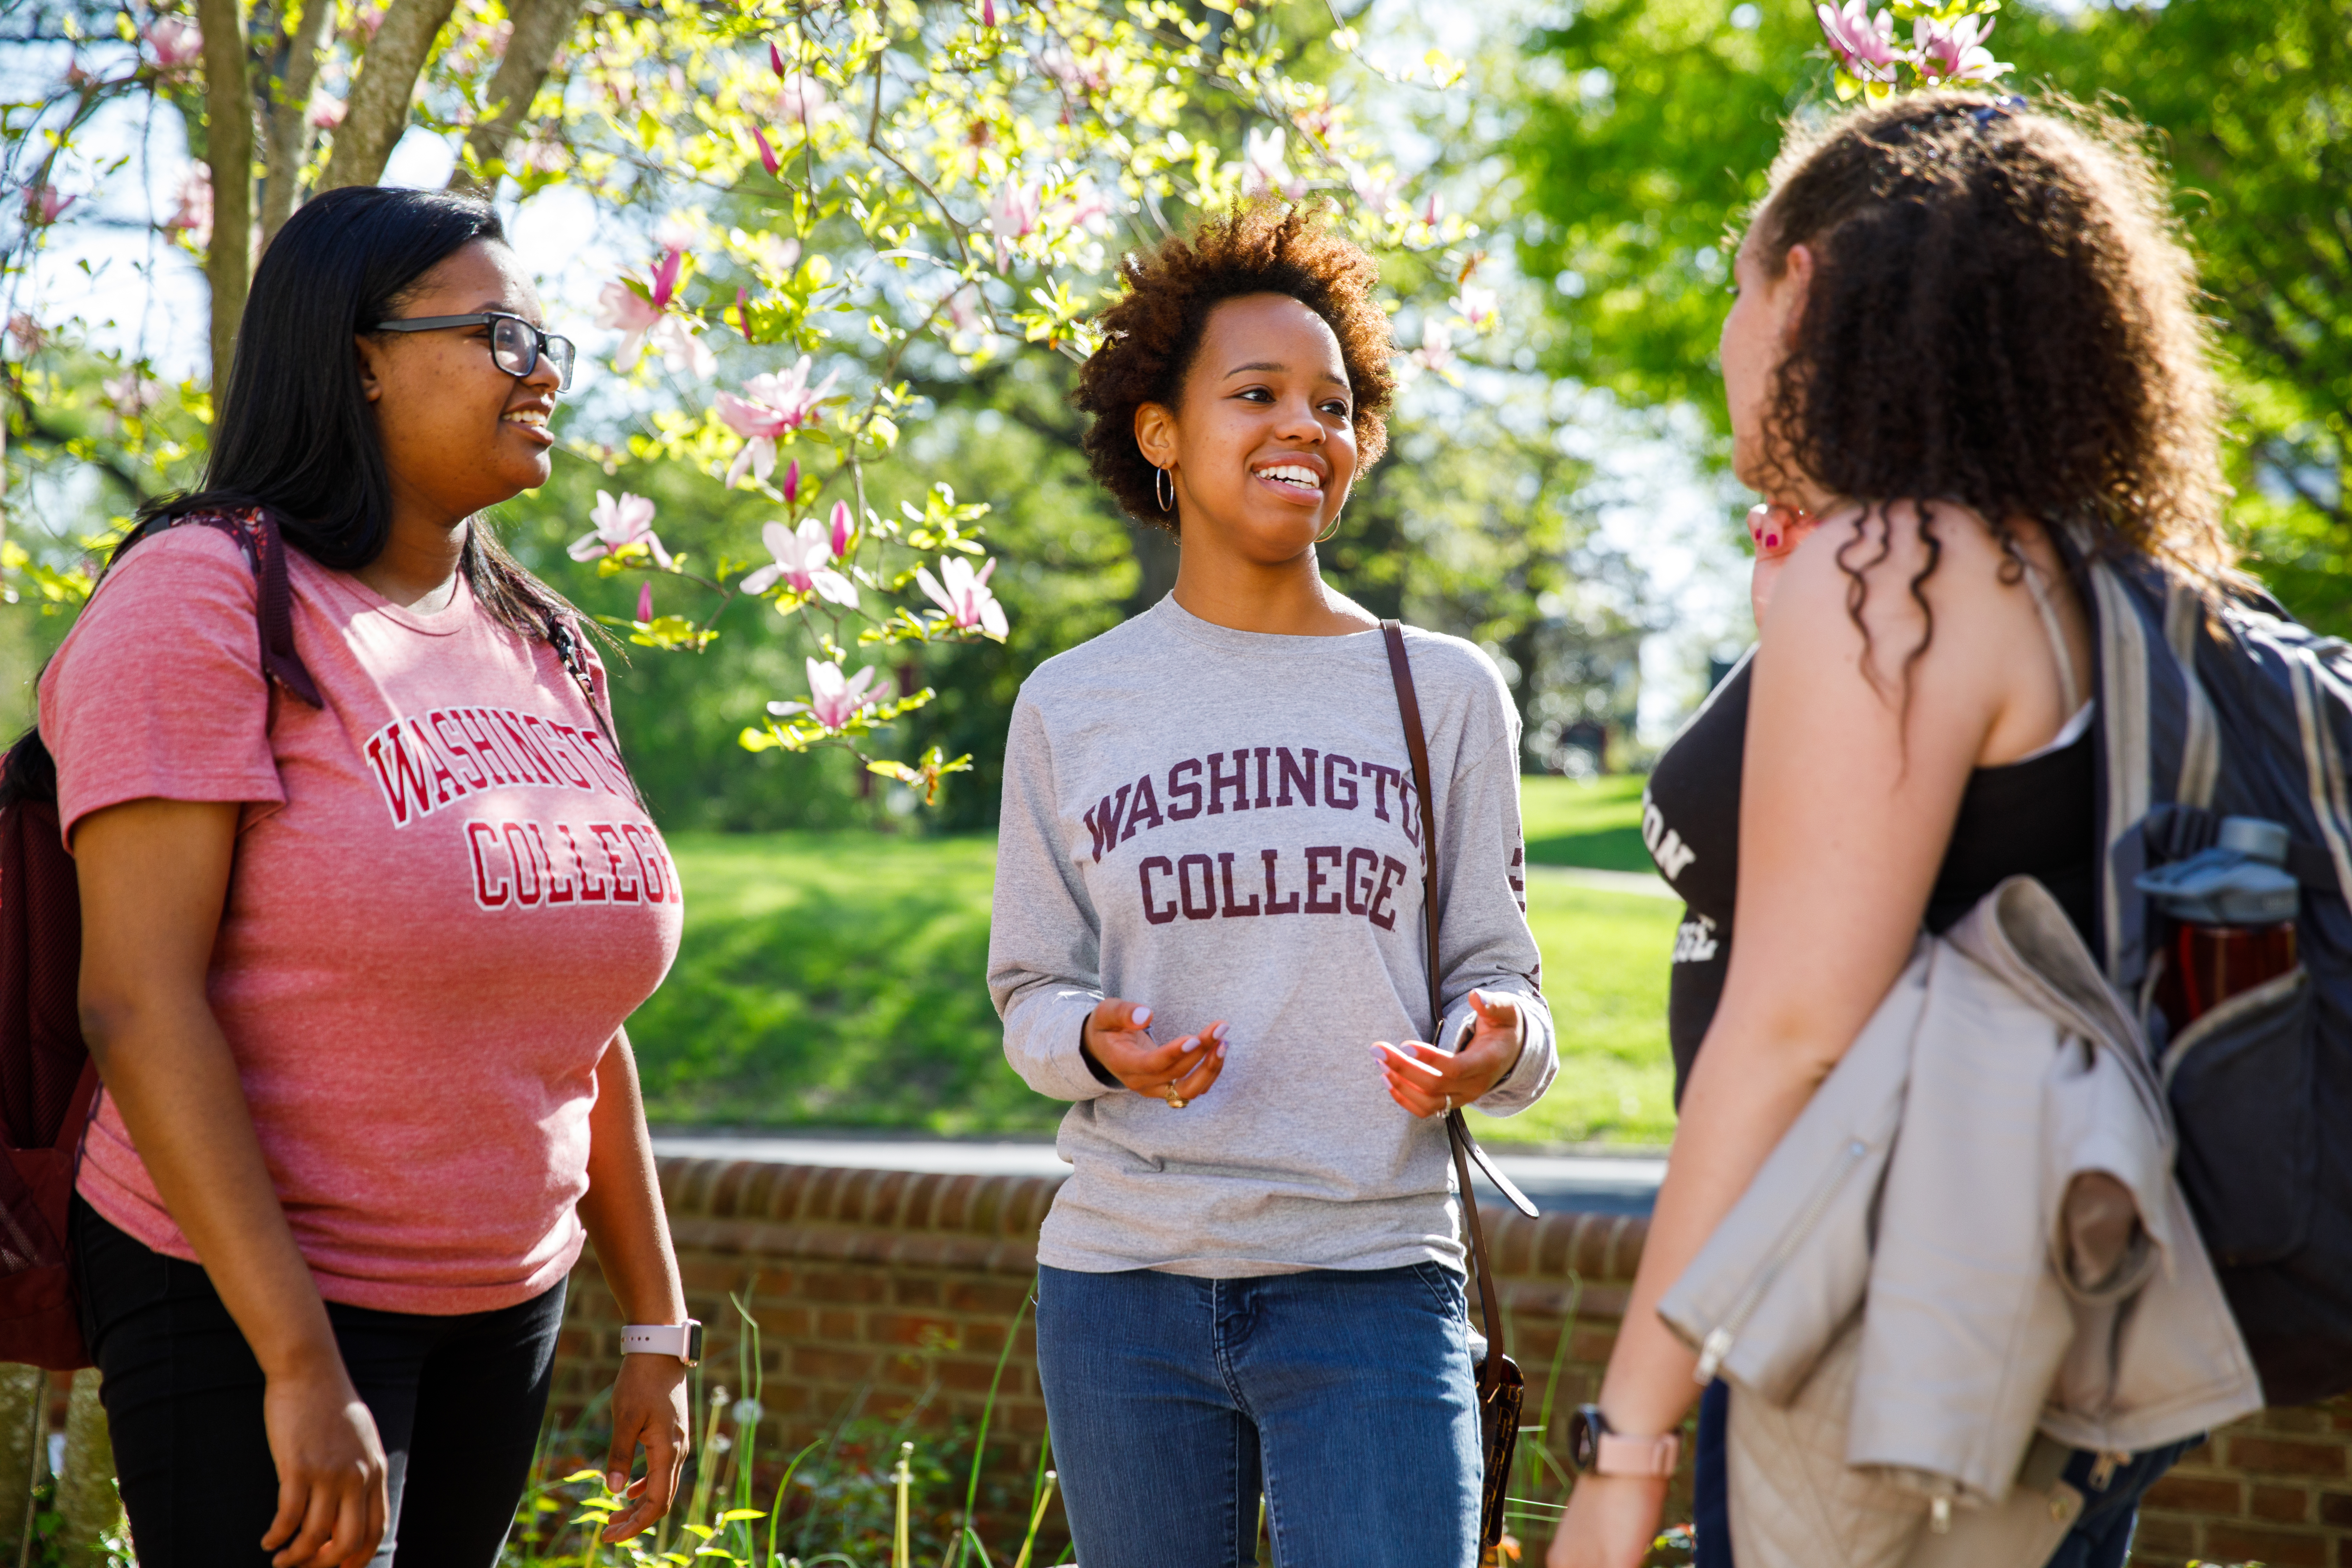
331, 1477
1116, 1036
1610, 1522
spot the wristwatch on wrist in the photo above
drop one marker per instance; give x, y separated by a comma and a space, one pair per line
1595, 1450
683, 1341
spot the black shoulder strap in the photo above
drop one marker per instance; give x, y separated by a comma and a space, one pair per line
1457, 1131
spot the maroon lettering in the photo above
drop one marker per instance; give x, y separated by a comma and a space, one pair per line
1392, 871
486, 747
1233, 907
1288, 773
594, 890
1358, 893
560, 889
1218, 783
625, 886
1143, 811
649, 860
1208, 887
406, 787
1333, 783
1263, 800
526, 867
1102, 822
1159, 863
1288, 906
486, 895
536, 768
439, 720
1316, 877
1181, 791
557, 755
1382, 775
1410, 799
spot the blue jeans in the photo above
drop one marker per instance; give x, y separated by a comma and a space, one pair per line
2101, 1537
1345, 1395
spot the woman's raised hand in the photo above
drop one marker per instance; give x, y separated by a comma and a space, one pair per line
1430, 1082
1117, 1035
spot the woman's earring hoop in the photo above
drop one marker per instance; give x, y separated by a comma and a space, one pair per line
1162, 490
1328, 534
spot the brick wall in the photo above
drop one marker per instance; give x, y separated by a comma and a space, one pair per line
871, 1287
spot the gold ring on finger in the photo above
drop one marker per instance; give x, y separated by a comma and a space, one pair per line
1175, 1101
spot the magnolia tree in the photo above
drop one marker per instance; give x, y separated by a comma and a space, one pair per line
832, 195
1947, 47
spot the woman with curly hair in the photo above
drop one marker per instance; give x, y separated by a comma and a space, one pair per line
1207, 917
1965, 343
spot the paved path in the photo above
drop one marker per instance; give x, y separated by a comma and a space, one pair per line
1591, 1183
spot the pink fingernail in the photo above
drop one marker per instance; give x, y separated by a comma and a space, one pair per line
1221, 1050
1141, 1017
615, 1482
1218, 1033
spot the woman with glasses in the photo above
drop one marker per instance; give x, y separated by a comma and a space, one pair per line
366, 895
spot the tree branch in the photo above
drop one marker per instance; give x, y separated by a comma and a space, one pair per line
228, 155
380, 96
540, 28
290, 132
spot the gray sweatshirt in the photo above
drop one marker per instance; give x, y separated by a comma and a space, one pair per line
1222, 825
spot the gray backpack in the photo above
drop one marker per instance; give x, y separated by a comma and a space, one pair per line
2214, 704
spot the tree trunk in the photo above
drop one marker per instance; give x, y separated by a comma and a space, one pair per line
540, 28
228, 155
387, 75
23, 1404
1157, 555
89, 1508
290, 133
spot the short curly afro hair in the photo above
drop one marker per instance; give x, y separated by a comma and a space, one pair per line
1151, 335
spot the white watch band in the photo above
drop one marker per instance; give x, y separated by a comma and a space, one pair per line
1616, 1455
683, 1341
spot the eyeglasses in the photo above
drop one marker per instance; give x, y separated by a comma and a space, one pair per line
516, 346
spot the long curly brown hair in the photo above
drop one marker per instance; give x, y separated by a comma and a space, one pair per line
2000, 316
1153, 330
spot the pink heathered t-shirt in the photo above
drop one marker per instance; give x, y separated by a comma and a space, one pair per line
446, 901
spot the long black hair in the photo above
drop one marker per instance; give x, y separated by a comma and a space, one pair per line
295, 433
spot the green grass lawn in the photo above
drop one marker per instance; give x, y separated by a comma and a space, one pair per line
1595, 823
836, 980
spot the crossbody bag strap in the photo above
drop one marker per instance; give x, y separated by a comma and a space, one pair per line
256, 530
1457, 1131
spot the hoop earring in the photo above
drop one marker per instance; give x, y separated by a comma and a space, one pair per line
1328, 534
1162, 490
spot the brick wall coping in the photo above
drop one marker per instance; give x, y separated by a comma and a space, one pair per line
774, 1209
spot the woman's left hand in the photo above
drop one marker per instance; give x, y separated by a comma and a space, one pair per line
648, 1412
1430, 1082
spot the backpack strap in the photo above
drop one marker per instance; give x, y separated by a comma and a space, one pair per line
2070, 681
255, 529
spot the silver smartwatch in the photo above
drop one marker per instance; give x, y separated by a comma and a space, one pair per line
683, 1341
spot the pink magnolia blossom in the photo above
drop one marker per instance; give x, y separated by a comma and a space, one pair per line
801, 99
194, 214
178, 43
963, 597
30, 336
1476, 306
804, 562
963, 309
792, 483
1864, 46
768, 160
771, 405
624, 310
1955, 52
776, 61
1436, 350
665, 278
620, 524
131, 394
832, 701
1263, 167
645, 602
1432, 209
988, 14
46, 203
1075, 76
326, 113
842, 530
1084, 207
1378, 193
1013, 217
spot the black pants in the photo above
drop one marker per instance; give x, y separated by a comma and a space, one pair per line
458, 1401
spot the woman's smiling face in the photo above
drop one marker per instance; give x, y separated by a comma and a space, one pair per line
1261, 448
458, 433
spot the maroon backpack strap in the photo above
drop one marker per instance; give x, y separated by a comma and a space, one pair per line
255, 529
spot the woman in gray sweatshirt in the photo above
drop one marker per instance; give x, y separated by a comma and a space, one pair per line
1208, 934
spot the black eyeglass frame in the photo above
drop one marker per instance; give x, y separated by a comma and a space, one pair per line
540, 339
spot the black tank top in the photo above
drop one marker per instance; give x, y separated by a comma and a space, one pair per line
2032, 818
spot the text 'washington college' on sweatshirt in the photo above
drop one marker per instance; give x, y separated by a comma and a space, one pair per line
1222, 825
